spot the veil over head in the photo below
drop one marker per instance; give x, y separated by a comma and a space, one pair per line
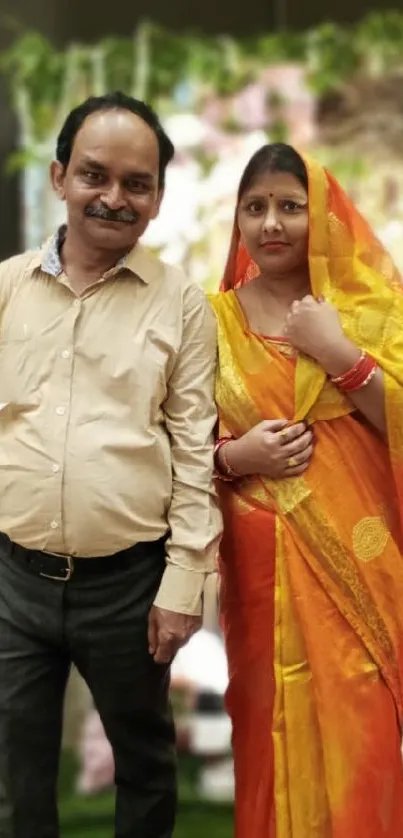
342, 245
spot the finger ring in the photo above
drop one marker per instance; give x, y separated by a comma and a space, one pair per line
284, 436
292, 462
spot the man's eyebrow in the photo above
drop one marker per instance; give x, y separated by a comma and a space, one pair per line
95, 164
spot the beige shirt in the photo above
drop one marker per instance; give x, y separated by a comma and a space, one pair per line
107, 415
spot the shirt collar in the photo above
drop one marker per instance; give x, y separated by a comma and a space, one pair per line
139, 261
51, 262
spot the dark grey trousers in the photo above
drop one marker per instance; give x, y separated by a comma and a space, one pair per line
98, 622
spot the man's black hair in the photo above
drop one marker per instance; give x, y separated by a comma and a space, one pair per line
111, 102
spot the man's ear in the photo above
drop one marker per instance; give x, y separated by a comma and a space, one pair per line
57, 177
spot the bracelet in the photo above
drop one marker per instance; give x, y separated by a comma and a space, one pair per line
366, 380
367, 372
342, 379
358, 376
229, 474
218, 473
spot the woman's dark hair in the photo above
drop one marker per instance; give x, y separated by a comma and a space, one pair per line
112, 102
276, 157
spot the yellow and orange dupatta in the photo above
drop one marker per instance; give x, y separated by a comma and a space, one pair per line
338, 603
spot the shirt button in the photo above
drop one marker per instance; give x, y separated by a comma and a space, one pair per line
54, 525
55, 467
65, 354
60, 411
77, 303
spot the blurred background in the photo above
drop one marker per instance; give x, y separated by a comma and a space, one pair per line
225, 78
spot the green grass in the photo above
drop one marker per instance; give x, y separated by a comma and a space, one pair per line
83, 816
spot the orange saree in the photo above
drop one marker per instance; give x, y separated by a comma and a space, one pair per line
312, 567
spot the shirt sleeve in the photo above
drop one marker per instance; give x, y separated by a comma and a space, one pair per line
194, 518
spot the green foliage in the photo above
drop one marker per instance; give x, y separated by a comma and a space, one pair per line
154, 63
331, 57
29, 62
383, 31
19, 160
118, 58
278, 48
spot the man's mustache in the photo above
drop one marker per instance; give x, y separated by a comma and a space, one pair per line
105, 214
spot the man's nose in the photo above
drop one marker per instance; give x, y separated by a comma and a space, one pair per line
114, 197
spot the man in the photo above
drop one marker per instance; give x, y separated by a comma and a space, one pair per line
108, 519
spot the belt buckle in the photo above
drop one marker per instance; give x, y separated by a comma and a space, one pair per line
68, 571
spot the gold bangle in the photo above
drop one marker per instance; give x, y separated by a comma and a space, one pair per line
230, 471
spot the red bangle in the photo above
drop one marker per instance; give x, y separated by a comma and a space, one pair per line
358, 376
362, 381
342, 379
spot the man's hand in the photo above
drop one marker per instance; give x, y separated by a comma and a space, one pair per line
168, 631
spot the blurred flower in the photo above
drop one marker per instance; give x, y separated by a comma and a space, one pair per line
202, 662
177, 224
186, 130
250, 107
225, 175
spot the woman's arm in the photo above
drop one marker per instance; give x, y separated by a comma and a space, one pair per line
314, 327
370, 399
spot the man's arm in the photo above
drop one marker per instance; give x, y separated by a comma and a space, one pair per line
194, 517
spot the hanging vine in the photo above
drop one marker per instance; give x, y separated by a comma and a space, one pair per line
173, 71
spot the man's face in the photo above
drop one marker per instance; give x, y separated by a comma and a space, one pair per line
111, 182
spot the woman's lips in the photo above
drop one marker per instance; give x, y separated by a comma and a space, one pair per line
274, 245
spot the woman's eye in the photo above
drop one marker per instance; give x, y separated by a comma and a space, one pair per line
291, 206
255, 206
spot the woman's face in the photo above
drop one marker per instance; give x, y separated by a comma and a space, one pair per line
274, 224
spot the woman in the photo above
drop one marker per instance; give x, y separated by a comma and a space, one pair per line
310, 455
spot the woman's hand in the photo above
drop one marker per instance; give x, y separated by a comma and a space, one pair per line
314, 328
273, 448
